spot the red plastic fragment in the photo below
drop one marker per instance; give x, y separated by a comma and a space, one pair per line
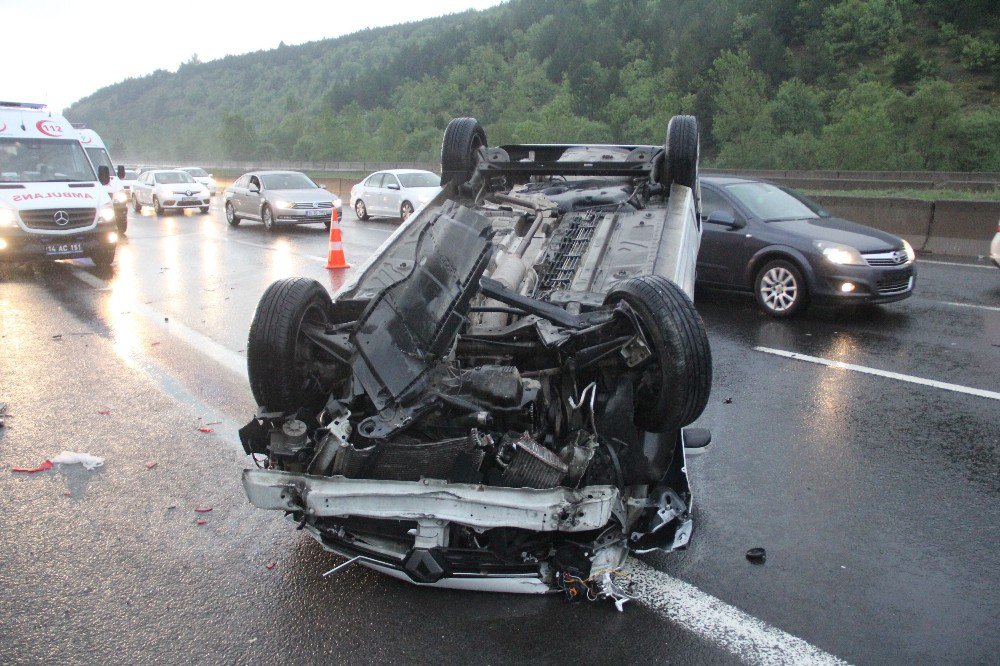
150, 465
103, 412
204, 429
31, 470
67, 494
201, 521
270, 566
202, 509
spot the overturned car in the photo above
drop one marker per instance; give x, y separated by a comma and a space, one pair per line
498, 400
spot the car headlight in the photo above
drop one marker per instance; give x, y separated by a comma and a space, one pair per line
283, 203
908, 249
836, 253
337, 203
107, 213
8, 218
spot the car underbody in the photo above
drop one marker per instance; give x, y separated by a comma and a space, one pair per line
498, 401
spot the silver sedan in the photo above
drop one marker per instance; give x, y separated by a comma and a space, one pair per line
278, 197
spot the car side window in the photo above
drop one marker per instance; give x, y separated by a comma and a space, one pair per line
712, 201
390, 179
375, 180
242, 182
255, 181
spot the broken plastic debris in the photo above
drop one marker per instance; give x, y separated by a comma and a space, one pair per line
728, 401
155, 343
202, 509
204, 429
150, 465
757, 555
103, 412
213, 423
201, 521
31, 470
73, 458
270, 566
57, 336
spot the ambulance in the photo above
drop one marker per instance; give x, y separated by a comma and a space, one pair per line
53, 202
98, 154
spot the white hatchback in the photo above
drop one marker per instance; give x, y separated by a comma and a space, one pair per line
394, 193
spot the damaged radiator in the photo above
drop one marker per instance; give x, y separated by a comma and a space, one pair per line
566, 251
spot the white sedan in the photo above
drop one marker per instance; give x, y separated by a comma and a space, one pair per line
169, 189
394, 193
203, 177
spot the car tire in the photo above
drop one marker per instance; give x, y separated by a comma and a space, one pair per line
277, 350
122, 224
267, 217
780, 289
460, 150
673, 388
680, 156
157, 207
405, 211
104, 257
204, 210
361, 210
231, 217
136, 206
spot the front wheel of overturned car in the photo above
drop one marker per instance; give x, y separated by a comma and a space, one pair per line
460, 150
680, 156
780, 289
673, 387
280, 356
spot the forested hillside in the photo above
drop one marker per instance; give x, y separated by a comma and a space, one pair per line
843, 84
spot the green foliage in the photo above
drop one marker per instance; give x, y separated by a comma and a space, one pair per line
795, 84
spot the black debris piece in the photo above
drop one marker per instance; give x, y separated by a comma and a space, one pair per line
756, 555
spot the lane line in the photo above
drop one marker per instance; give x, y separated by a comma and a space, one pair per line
982, 393
970, 305
955, 263
200, 342
750, 639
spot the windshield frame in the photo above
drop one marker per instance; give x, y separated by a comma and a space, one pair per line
178, 173
86, 172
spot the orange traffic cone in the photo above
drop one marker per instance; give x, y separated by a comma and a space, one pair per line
335, 258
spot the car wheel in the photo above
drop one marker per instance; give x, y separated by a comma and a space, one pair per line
360, 210
157, 207
279, 353
460, 150
136, 206
122, 224
204, 210
680, 157
673, 387
405, 210
231, 217
267, 218
103, 258
780, 289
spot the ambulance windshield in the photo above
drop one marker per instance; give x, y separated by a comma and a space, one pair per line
43, 161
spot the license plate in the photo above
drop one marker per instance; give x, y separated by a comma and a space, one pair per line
190, 201
313, 213
64, 248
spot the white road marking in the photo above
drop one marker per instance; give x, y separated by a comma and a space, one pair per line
971, 305
982, 393
269, 247
955, 263
202, 343
748, 638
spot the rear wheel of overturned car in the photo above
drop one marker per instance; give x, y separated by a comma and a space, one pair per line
231, 217
780, 289
405, 210
360, 210
680, 157
674, 385
280, 355
460, 150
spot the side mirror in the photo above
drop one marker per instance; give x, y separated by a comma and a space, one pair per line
393, 186
724, 218
121, 172
322, 187
254, 189
103, 174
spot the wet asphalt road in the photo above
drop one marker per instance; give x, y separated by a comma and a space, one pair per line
877, 499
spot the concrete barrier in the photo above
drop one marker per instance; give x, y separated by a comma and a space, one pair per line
907, 218
963, 228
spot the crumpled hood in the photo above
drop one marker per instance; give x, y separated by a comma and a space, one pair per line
839, 230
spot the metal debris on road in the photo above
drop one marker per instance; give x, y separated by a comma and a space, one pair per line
31, 470
757, 555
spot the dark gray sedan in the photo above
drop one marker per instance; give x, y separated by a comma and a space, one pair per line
789, 252
279, 197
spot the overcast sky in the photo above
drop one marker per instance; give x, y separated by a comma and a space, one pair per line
57, 52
